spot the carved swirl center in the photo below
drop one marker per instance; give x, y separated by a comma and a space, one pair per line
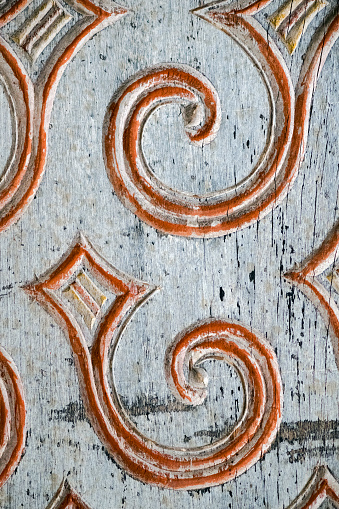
151, 199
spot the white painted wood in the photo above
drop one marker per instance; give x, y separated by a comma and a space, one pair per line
238, 277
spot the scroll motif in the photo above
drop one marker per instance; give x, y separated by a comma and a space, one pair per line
252, 357
322, 486
31, 86
224, 211
323, 262
66, 498
12, 417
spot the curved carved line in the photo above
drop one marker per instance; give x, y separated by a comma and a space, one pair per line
12, 417
321, 486
181, 213
20, 91
21, 190
292, 19
216, 213
305, 279
314, 61
176, 468
66, 498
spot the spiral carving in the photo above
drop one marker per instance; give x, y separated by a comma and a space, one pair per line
176, 468
227, 210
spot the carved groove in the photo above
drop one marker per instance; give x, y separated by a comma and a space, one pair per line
292, 19
322, 486
41, 28
177, 468
305, 278
228, 210
12, 417
32, 104
86, 297
66, 498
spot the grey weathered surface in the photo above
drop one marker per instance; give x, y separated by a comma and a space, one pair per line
238, 276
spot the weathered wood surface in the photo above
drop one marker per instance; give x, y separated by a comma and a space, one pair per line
237, 277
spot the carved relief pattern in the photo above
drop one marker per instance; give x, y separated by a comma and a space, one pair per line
178, 468
32, 102
306, 278
322, 486
225, 211
93, 301
292, 19
13, 417
66, 498
41, 27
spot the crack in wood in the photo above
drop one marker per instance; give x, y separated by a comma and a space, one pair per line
298, 431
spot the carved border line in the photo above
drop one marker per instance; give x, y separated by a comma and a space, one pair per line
305, 278
293, 17
322, 486
225, 211
67, 498
12, 417
32, 104
176, 468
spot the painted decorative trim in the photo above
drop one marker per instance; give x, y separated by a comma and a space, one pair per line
221, 212
32, 103
12, 417
66, 498
322, 486
292, 19
41, 27
176, 468
305, 279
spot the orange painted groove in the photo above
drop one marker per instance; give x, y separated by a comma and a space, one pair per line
21, 190
13, 417
144, 459
26, 101
224, 211
250, 9
305, 278
322, 486
10, 14
66, 498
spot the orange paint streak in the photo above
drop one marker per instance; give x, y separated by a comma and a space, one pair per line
293, 17
320, 297
252, 9
72, 501
132, 139
228, 214
5, 421
86, 298
323, 490
66, 498
326, 255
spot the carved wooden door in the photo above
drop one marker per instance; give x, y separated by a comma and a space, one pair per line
169, 265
